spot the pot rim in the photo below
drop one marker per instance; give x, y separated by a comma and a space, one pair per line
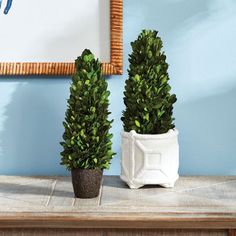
170, 134
88, 170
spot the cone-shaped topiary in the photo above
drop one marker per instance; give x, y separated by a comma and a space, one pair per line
149, 104
87, 141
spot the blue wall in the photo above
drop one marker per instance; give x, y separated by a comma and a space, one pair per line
199, 40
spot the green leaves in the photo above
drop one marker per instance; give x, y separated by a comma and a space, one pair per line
87, 141
137, 123
137, 78
73, 87
88, 56
147, 98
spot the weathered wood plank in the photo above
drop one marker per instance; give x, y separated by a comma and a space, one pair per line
148, 232
189, 192
81, 203
51, 232
24, 191
112, 220
116, 232
195, 202
232, 232
62, 194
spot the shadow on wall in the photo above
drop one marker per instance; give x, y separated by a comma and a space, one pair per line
31, 125
116, 86
208, 135
33, 128
199, 41
165, 16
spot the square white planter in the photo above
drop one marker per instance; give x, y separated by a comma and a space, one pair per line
150, 159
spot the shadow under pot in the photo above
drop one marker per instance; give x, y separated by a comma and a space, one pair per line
86, 183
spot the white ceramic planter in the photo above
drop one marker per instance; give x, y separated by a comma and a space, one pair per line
150, 159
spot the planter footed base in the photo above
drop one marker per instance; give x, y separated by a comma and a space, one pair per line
136, 185
150, 159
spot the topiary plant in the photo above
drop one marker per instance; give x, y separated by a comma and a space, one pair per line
87, 141
149, 104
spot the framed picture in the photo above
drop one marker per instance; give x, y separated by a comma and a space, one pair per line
45, 37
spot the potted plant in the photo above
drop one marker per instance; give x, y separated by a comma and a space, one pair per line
150, 150
86, 140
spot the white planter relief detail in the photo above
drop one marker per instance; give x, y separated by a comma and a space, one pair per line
150, 159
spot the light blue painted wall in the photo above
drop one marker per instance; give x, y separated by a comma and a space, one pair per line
199, 39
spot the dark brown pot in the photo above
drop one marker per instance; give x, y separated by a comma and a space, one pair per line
86, 183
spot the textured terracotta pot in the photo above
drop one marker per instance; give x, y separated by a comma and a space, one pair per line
150, 159
86, 183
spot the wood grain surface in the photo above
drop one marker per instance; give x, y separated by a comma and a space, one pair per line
48, 202
232, 232
119, 232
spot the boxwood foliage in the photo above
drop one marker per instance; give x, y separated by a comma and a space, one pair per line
147, 97
87, 141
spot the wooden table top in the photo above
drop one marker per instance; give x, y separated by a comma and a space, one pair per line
195, 202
